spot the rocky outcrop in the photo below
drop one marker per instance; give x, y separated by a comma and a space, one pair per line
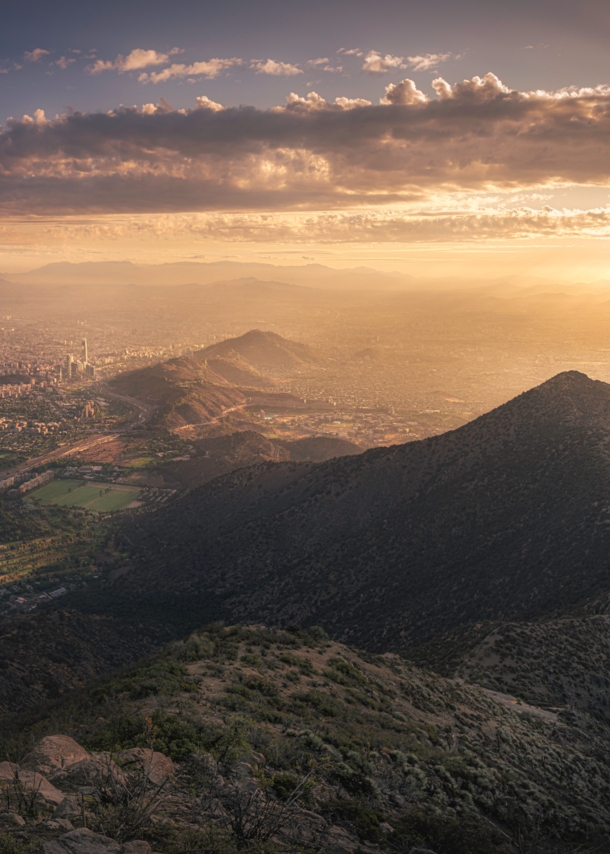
85, 841
157, 767
54, 753
24, 784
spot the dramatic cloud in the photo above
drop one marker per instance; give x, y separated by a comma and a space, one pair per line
313, 101
363, 226
308, 154
429, 60
405, 92
35, 55
134, 61
374, 63
276, 69
209, 70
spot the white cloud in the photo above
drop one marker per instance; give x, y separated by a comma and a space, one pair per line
209, 69
313, 102
375, 63
274, 68
322, 61
134, 61
428, 60
35, 55
477, 89
39, 118
204, 103
405, 92
354, 51
63, 62
476, 134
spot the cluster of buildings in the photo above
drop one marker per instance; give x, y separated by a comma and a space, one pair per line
19, 389
27, 482
42, 428
76, 368
88, 410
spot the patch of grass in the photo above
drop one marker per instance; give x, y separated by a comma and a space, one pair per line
101, 498
52, 492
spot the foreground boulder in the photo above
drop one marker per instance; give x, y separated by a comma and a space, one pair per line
85, 841
157, 767
25, 783
54, 753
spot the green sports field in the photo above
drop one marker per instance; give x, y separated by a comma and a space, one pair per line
100, 497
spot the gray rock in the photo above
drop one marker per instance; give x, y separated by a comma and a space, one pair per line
31, 781
68, 808
339, 841
54, 753
81, 841
157, 766
95, 770
136, 846
421, 851
12, 819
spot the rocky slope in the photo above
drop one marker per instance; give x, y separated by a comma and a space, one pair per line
245, 737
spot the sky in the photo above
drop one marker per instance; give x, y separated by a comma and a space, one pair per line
429, 138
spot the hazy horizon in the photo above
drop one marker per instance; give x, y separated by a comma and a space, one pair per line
438, 141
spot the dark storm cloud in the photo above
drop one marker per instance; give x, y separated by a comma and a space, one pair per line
475, 134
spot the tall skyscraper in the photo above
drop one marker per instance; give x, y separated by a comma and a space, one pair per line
85, 356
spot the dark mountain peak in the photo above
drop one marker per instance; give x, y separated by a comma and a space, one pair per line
568, 382
568, 396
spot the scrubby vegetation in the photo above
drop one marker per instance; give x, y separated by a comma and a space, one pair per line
285, 739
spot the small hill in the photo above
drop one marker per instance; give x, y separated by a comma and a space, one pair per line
200, 389
317, 449
223, 454
183, 390
265, 351
420, 548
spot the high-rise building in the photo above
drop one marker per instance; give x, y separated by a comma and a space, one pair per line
85, 355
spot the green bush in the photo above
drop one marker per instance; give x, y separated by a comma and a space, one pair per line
364, 819
445, 834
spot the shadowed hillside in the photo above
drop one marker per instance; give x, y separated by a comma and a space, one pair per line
403, 547
223, 454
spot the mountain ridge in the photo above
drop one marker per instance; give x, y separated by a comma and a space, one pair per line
394, 547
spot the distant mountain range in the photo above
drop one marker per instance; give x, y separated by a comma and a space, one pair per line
194, 272
420, 548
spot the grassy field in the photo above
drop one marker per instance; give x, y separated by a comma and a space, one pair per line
102, 497
140, 462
